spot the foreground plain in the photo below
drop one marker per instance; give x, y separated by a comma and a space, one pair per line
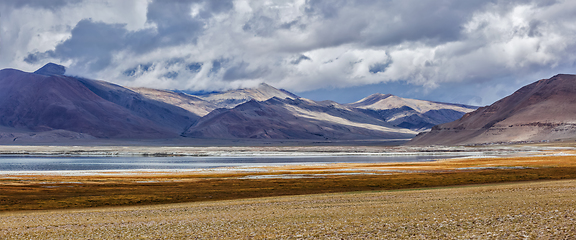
528, 210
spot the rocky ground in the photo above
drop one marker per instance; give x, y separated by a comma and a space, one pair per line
530, 210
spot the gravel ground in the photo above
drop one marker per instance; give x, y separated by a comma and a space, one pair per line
535, 210
160, 150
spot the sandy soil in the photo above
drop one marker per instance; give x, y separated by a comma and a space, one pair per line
533, 210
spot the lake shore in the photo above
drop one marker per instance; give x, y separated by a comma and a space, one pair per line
62, 190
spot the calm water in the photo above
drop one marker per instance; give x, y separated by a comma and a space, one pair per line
58, 163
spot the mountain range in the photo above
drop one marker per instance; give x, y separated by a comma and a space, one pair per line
48, 104
296, 118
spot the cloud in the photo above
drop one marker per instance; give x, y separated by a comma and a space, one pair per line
243, 71
298, 45
300, 59
92, 44
37, 27
52, 4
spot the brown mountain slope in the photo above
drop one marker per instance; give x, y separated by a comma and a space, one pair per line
544, 110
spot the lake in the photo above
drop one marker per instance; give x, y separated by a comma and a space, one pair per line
80, 163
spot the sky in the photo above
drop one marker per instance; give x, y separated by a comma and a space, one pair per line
470, 52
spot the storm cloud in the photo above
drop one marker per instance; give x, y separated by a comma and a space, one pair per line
427, 47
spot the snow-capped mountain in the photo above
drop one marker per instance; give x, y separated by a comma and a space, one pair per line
233, 98
418, 115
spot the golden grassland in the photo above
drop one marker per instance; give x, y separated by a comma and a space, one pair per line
527, 210
41, 192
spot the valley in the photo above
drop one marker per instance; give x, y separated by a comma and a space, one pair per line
298, 119
85, 147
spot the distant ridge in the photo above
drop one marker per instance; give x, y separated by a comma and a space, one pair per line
542, 111
47, 106
297, 118
380, 101
51, 69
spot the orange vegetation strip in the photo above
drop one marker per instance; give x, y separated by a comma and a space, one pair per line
80, 192
442, 165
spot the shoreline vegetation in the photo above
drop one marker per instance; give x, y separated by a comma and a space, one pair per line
37, 191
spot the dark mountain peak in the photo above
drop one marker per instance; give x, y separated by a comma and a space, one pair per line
51, 69
557, 79
562, 79
560, 75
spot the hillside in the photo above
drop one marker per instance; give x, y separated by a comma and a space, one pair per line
542, 111
167, 115
42, 103
46, 100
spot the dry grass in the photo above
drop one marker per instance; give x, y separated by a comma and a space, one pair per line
530, 210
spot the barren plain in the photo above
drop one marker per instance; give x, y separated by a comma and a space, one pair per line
529, 210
